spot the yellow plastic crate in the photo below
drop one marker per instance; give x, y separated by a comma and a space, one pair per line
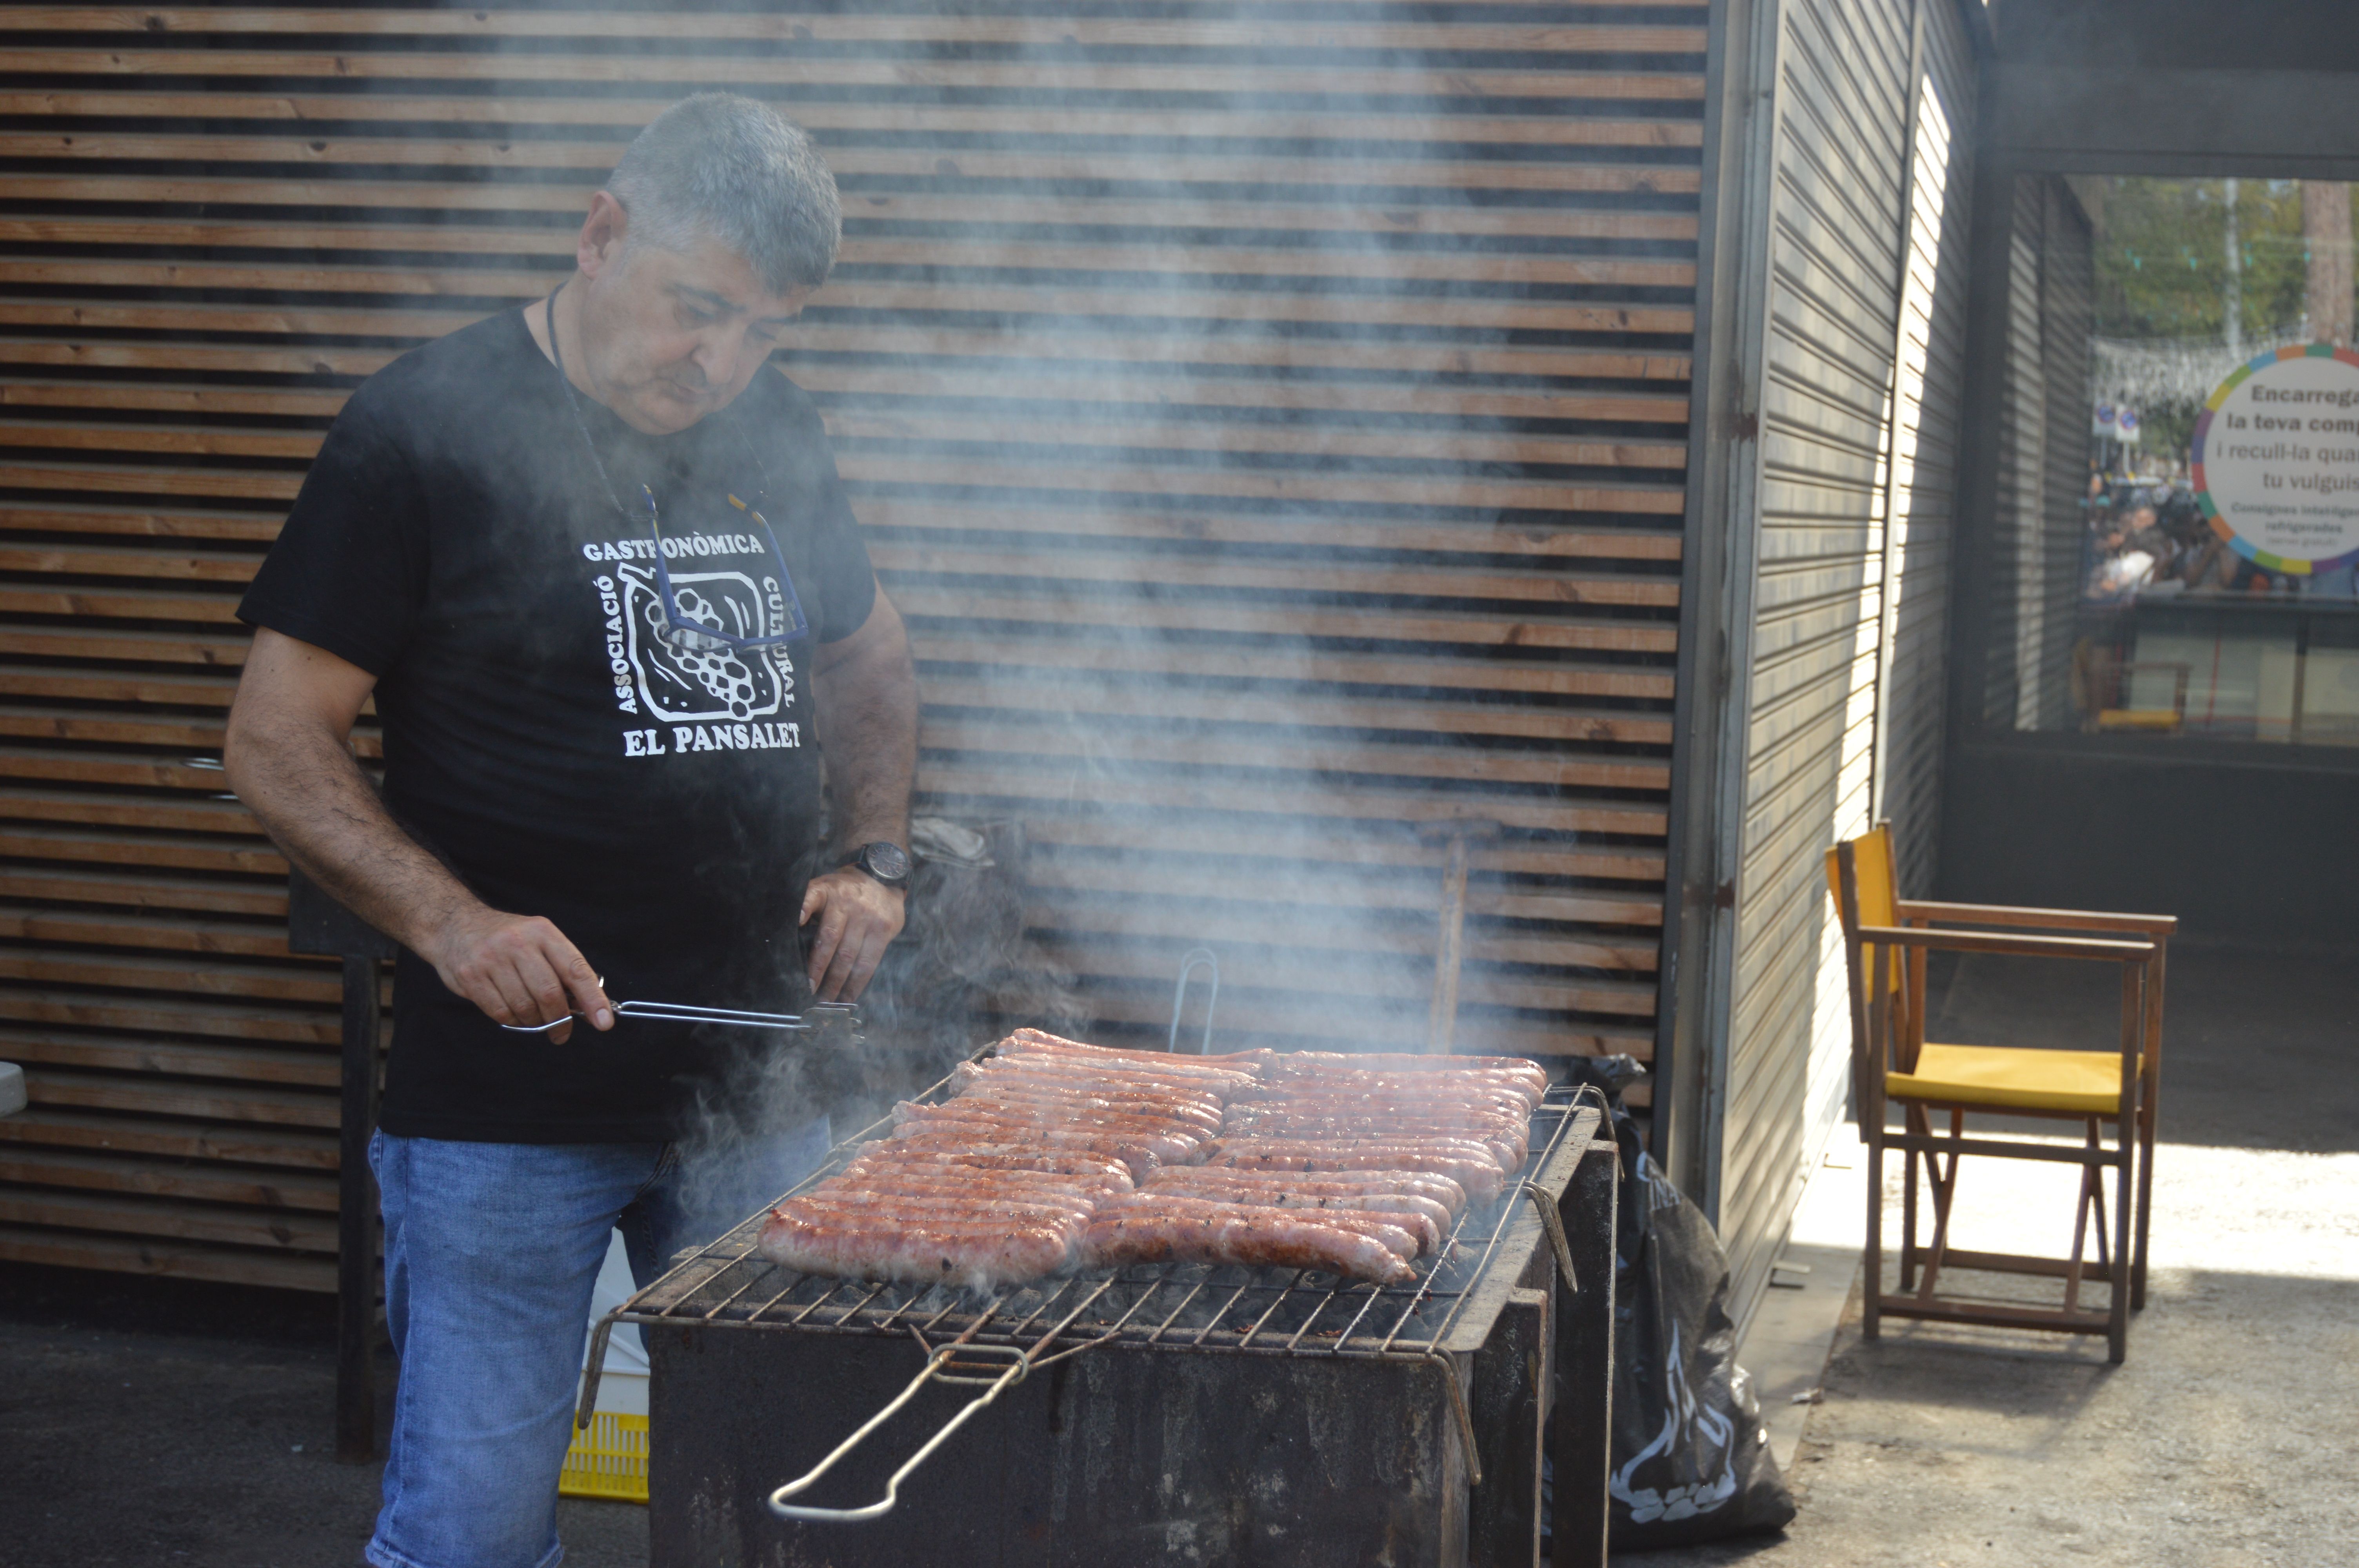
608, 1459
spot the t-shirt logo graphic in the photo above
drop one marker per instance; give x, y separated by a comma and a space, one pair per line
681, 684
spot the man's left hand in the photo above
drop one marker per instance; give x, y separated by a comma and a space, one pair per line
858, 917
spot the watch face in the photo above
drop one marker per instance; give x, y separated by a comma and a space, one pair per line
889, 863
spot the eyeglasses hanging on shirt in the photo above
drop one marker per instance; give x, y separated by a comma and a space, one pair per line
681, 628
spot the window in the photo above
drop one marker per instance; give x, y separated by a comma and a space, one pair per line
2175, 533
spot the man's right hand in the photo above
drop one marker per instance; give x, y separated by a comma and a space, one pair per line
518, 969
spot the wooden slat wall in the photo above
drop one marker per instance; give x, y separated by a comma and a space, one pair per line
1842, 223
1271, 418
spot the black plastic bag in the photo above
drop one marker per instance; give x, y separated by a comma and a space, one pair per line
1691, 1462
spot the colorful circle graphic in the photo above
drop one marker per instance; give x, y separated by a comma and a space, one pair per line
2276, 456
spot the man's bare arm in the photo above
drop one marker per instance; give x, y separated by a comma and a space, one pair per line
288, 758
864, 704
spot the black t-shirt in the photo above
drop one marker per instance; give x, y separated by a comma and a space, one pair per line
455, 540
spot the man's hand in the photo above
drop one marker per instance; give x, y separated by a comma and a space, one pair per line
858, 916
518, 969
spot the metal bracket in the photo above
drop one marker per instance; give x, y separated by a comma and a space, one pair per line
940, 1367
1553, 1223
1448, 1370
1190, 962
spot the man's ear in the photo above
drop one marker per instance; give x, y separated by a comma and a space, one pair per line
600, 245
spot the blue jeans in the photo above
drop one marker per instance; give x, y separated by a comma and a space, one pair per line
490, 1254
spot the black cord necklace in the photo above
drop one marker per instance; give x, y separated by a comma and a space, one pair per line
573, 402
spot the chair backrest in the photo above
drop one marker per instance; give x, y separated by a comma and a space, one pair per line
1881, 1036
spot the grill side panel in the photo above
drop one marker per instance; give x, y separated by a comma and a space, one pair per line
1117, 1456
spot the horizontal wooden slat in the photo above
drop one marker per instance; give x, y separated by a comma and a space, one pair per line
690, 73
173, 1220
210, 978
179, 1260
177, 1015
30, 1165
797, 28
173, 1137
869, 213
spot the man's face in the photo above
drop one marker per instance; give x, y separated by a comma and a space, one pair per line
669, 336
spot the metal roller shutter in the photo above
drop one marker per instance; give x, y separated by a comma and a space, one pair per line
1852, 302
1273, 426
1930, 413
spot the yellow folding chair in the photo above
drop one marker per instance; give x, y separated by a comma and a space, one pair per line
1885, 938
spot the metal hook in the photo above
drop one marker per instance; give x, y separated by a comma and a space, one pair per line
1193, 959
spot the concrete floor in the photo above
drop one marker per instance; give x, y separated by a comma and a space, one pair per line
169, 1423
2230, 1439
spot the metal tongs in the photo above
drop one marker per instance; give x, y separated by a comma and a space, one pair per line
821, 1014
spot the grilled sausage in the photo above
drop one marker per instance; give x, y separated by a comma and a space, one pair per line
1037, 1042
1210, 1081
1431, 1221
1179, 1113
995, 1254
1394, 1062
1139, 1162
1454, 1148
987, 1179
1398, 1235
1439, 1190
1063, 1162
1393, 1096
1506, 1147
1254, 1237
884, 1206
1046, 1075
983, 1125
1482, 1178
965, 1110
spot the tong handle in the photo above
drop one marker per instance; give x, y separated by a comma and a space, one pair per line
683, 1012
937, 1366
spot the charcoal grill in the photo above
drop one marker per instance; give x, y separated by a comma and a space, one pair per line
1167, 1413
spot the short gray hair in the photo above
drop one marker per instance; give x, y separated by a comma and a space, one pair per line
722, 166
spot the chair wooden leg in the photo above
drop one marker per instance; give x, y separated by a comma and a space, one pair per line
2092, 1193
2144, 1211
1871, 1314
2149, 1108
2118, 1319
1944, 1184
1913, 1118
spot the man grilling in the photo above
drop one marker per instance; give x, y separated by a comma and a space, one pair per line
593, 564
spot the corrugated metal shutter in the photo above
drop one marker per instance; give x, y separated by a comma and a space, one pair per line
1837, 244
1930, 413
1272, 426
2067, 326
2043, 458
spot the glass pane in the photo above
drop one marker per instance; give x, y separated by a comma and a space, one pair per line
2177, 497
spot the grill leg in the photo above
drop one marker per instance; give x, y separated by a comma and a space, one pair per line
1584, 1411
1510, 1409
356, 1222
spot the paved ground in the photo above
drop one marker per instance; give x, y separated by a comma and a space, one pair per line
169, 1423
163, 1422
2230, 1439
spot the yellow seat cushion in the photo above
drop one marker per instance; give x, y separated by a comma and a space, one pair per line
2082, 1082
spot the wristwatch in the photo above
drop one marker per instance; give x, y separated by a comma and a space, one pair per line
885, 861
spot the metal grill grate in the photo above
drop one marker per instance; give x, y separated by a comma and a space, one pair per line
1171, 1306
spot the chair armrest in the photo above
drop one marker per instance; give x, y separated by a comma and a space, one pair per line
2051, 919
1994, 942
